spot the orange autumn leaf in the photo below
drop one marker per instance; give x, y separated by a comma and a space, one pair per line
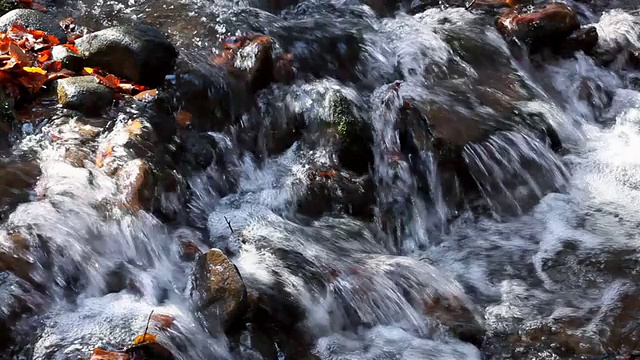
33, 84
64, 73
53, 66
44, 56
144, 338
147, 95
72, 48
103, 155
327, 174
34, 70
109, 80
20, 56
134, 127
4, 44
101, 354
183, 118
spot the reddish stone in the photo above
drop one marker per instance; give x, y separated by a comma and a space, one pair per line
540, 26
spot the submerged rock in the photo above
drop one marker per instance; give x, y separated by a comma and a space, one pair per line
17, 299
139, 53
340, 192
584, 39
33, 20
84, 94
17, 181
218, 291
540, 26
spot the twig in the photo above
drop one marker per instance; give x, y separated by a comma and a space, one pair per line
144, 335
229, 224
469, 5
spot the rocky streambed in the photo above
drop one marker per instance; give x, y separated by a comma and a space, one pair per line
319, 180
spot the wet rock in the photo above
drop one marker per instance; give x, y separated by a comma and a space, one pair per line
354, 136
17, 299
34, 20
139, 53
341, 192
539, 27
17, 181
149, 351
275, 5
218, 292
213, 98
634, 59
69, 59
322, 47
197, 150
188, 251
585, 39
251, 58
84, 94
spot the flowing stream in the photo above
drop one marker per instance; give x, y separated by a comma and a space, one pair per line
544, 256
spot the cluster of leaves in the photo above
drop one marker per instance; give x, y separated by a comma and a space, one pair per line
114, 82
26, 63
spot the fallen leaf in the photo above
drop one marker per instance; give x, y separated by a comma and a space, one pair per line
35, 70
19, 55
101, 354
72, 48
103, 155
146, 96
88, 71
109, 80
44, 56
64, 73
135, 127
327, 174
144, 338
183, 118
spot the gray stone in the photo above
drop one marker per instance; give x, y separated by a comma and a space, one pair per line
139, 53
218, 290
84, 94
33, 20
69, 59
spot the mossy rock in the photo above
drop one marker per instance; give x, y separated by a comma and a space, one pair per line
354, 135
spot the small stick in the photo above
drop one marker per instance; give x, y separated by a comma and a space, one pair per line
469, 5
144, 335
229, 224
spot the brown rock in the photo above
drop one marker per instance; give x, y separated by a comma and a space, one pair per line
218, 292
250, 58
584, 39
540, 26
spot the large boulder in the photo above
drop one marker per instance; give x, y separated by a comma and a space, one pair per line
139, 53
540, 26
33, 20
85, 94
218, 291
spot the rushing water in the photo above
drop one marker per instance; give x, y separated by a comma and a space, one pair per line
548, 246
